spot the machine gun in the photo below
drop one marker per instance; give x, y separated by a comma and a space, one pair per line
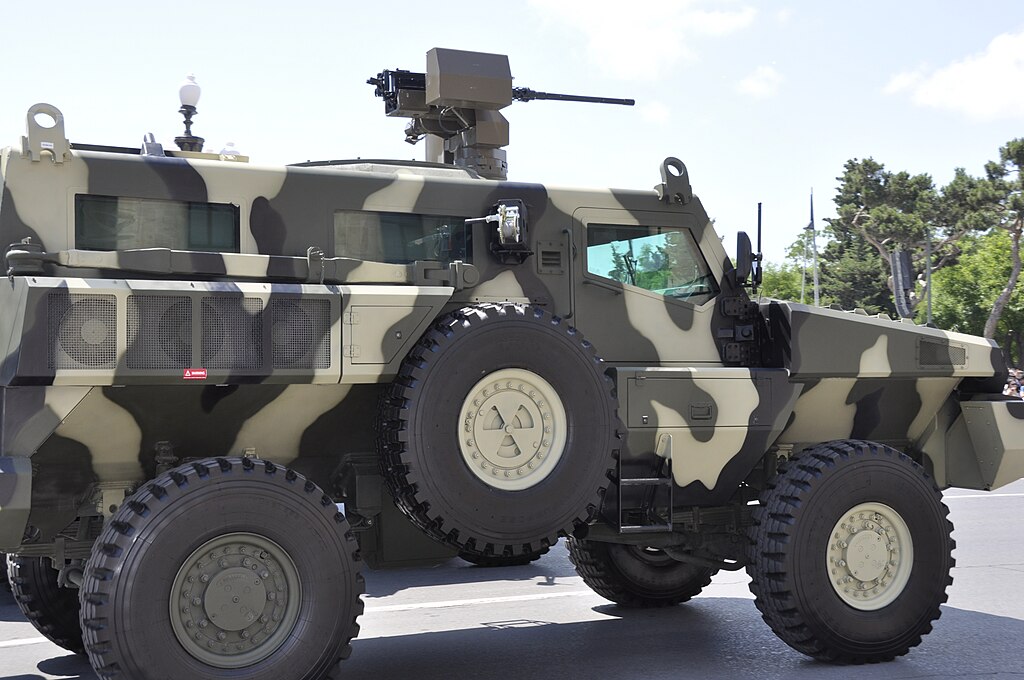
455, 106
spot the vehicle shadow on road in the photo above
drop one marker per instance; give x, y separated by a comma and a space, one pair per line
707, 638
68, 667
64, 666
8, 608
547, 571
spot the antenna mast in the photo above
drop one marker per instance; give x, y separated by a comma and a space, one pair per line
814, 249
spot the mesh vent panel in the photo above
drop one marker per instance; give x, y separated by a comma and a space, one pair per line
82, 331
301, 333
159, 332
937, 354
232, 333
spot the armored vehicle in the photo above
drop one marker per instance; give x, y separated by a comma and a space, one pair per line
203, 358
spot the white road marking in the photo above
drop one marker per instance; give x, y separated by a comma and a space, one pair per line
22, 642
474, 601
985, 495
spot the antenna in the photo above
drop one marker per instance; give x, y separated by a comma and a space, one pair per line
814, 247
758, 229
756, 279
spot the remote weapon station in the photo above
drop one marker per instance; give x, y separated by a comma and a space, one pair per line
226, 389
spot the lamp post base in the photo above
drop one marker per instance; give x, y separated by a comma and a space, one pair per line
189, 143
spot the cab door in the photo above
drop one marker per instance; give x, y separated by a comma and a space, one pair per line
644, 293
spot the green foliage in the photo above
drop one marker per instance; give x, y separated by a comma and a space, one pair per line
880, 212
973, 224
782, 282
963, 295
854, 275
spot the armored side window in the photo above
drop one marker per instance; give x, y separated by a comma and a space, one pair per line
659, 259
121, 223
399, 238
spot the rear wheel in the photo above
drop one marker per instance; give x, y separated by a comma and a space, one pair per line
636, 576
51, 609
222, 568
851, 553
502, 560
5, 580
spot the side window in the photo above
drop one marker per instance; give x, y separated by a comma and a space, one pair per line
399, 238
659, 259
121, 223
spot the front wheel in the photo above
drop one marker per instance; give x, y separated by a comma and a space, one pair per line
851, 553
223, 568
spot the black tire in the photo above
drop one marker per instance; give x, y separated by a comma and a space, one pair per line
5, 579
238, 507
634, 576
489, 561
422, 455
802, 538
51, 609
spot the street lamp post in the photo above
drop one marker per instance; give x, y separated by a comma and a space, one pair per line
814, 249
188, 94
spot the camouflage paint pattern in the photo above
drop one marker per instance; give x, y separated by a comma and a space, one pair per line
714, 386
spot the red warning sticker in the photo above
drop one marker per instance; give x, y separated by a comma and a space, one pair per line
195, 374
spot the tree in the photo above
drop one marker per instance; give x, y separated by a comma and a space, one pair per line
964, 294
892, 212
852, 274
1001, 198
781, 281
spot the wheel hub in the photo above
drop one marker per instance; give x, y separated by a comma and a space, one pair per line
235, 600
870, 556
513, 429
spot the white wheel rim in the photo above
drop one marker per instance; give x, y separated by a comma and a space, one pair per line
870, 556
513, 429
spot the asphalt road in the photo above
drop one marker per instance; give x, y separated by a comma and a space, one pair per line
456, 621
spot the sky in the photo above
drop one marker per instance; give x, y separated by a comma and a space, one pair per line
763, 101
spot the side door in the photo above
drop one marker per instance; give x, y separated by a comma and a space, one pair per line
643, 290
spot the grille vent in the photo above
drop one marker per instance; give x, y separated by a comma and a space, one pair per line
550, 258
300, 333
159, 332
931, 354
82, 331
232, 333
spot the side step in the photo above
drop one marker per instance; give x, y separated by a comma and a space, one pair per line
651, 521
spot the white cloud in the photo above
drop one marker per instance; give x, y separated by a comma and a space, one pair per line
719, 22
985, 86
763, 82
643, 38
902, 82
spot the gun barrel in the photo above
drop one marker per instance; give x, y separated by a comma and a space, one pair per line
525, 94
